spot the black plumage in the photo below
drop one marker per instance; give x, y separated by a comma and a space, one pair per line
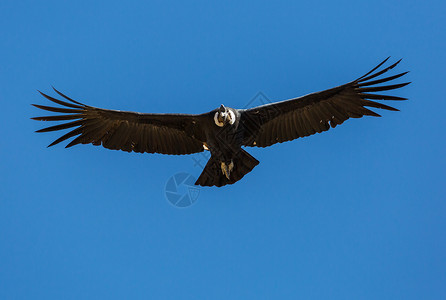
225, 130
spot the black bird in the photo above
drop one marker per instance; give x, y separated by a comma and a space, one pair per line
225, 130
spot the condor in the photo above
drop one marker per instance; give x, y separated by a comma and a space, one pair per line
223, 131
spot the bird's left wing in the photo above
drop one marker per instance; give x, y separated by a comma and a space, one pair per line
290, 119
121, 130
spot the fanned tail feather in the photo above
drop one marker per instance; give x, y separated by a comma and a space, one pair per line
212, 174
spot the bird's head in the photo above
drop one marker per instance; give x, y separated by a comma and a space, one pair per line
224, 116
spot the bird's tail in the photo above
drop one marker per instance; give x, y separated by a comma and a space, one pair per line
216, 173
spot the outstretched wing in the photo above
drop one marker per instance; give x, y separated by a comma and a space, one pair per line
121, 130
291, 119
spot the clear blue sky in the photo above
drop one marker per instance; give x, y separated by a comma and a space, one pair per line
354, 213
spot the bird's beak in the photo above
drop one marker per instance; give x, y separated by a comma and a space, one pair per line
221, 117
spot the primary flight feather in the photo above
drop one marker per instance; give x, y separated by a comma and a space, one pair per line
222, 131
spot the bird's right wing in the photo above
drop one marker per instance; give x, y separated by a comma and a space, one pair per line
127, 131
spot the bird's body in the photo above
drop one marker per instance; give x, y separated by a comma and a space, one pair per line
223, 131
224, 139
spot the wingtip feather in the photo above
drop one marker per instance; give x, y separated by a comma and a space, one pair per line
66, 97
